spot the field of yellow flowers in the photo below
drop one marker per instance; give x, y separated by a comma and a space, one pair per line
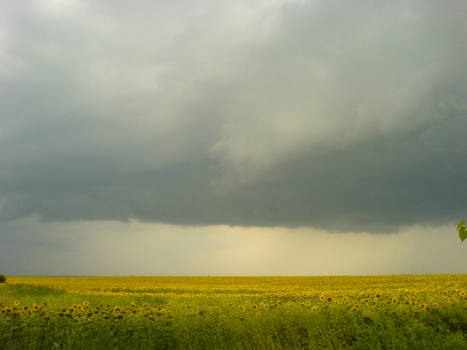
383, 312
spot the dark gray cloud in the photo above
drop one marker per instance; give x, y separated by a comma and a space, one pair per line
348, 117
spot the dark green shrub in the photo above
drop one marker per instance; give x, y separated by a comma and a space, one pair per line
2, 278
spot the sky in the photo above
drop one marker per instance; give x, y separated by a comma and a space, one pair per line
259, 137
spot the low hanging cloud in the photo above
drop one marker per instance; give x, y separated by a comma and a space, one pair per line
341, 116
31, 247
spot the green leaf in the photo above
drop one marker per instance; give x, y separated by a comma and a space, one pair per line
462, 229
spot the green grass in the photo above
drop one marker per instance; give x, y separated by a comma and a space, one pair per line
54, 298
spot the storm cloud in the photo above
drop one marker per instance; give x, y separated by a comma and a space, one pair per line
343, 116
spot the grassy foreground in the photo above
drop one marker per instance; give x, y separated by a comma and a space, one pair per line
387, 312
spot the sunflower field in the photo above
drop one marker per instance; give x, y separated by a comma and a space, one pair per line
380, 312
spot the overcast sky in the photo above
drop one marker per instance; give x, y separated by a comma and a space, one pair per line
227, 137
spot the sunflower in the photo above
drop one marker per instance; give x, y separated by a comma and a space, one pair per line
16, 303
